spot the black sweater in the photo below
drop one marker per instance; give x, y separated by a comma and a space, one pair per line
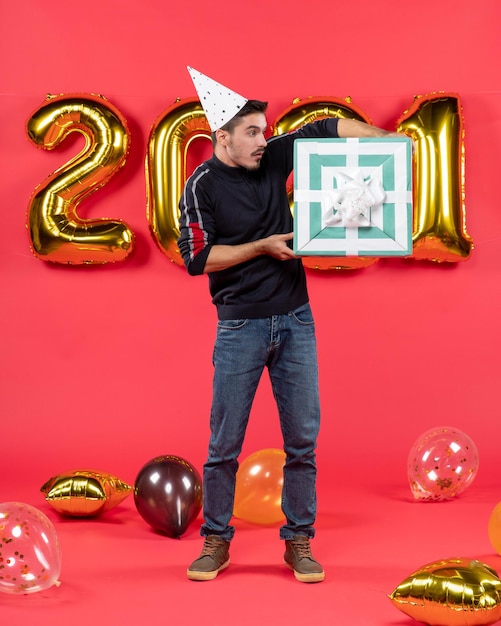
232, 205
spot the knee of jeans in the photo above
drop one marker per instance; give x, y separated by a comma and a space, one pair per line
221, 457
300, 455
301, 443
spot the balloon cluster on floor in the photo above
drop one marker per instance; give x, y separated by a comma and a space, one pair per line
167, 495
442, 464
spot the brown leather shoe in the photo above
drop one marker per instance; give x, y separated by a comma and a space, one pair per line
299, 559
213, 559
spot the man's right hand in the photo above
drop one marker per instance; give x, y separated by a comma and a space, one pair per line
276, 246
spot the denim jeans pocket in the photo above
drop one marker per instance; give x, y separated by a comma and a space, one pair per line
303, 315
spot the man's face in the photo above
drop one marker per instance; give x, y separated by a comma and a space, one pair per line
245, 146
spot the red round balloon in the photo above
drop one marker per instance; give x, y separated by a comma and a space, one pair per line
168, 494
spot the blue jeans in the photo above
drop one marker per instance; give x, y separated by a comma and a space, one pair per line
286, 345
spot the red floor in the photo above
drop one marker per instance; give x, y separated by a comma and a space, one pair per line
117, 571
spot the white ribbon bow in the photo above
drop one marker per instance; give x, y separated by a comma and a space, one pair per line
350, 205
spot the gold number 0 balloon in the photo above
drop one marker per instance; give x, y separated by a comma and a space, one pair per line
435, 124
56, 232
170, 138
302, 112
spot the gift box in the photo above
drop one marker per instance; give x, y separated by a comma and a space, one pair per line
353, 197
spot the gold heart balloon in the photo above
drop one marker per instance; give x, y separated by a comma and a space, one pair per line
451, 592
83, 493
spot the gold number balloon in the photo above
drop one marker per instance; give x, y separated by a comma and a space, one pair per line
56, 231
171, 136
451, 592
435, 124
302, 112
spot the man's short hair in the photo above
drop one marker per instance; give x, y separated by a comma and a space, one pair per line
251, 106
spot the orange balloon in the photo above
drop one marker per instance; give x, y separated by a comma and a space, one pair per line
258, 491
494, 528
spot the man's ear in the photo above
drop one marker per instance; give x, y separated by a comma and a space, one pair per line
221, 136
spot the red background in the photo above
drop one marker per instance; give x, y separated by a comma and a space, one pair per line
107, 367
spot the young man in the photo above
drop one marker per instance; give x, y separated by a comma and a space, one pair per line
236, 226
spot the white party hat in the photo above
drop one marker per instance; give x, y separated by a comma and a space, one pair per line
219, 103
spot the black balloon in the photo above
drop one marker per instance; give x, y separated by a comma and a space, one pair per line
168, 494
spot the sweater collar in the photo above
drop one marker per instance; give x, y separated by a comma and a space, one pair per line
232, 172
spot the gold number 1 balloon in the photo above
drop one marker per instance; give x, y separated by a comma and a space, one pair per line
435, 124
56, 231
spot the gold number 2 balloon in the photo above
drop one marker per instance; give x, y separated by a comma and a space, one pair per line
56, 231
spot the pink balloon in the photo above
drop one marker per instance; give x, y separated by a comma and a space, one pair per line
30, 554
